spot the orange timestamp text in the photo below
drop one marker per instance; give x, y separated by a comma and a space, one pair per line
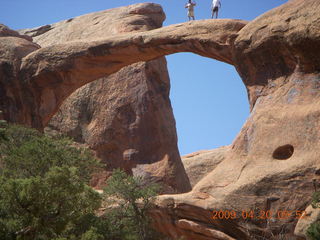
260, 214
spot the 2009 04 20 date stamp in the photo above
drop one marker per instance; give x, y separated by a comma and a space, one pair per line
257, 215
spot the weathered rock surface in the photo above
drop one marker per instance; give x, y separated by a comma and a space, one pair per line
127, 120
7, 32
69, 66
99, 25
284, 40
199, 164
13, 95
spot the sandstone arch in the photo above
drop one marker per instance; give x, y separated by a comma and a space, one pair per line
72, 65
46, 77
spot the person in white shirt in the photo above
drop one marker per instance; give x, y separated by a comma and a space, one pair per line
190, 5
216, 4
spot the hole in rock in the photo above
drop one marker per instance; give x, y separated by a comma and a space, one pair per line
283, 152
209, 101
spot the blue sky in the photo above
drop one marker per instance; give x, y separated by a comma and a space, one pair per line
208, 97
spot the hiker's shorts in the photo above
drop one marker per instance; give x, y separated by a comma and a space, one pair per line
190, 13
215, 9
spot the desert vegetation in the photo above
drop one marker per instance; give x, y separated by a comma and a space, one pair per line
45, 192
313, 232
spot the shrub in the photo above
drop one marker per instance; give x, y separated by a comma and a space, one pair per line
315, 199
313, 231
133, 201
43, 186
29, 153
44, 193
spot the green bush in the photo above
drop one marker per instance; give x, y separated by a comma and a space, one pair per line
43, 186
132, 200
29, 153
92, 234
315, 199
313, 231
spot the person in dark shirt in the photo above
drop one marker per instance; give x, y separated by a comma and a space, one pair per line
216, 4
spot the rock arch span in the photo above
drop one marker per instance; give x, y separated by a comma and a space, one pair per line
74, 64
45, 76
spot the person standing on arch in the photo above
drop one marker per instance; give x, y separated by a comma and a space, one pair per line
190, 5
216, 4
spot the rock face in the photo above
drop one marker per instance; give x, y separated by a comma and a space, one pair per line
199, 164
14, 96
7, 32
126, 118
272, 163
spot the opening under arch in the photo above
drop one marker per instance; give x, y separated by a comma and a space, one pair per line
209, 102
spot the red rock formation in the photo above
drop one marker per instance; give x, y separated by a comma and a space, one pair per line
141, 130
275, 158
272, 162
14, 95
7, 32
201, 163
69, 66
126, 118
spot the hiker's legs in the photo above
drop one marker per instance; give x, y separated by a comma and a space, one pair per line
214, 10
217, 13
